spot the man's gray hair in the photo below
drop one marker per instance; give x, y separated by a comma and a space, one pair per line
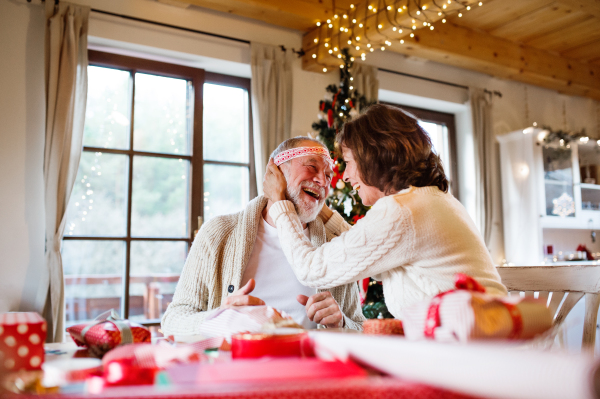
293, 143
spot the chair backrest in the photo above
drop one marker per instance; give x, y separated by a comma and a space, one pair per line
561, 287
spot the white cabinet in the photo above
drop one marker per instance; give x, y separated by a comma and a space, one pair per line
542, 189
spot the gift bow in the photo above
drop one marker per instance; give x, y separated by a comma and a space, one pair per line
463, 282
113, 317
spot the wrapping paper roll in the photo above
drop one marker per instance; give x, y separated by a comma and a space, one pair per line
489, 370
254, 345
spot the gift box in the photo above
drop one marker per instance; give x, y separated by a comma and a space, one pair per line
468, 313
106, 332
22, 337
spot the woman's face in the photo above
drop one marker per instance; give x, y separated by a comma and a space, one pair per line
368, 194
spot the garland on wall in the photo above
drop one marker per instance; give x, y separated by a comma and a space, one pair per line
563, 137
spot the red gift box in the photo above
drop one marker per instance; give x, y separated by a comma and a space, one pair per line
22, 337
108, 332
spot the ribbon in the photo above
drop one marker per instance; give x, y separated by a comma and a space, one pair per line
462, 282
303, 152
113, 317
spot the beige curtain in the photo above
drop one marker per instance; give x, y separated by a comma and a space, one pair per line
365, 81
66, 92
485, 160
271, 102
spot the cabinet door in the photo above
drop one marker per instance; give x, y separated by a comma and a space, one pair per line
589, 167
559, 194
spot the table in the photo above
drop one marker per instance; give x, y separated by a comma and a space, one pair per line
372, 386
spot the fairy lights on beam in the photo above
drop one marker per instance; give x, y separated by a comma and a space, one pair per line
376, 25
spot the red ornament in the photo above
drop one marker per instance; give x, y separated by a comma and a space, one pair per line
322, 105
335, 97
365, 283
336, 175
356, 218
351, 104
330, 118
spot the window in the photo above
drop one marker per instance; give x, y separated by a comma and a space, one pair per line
164, 146
441, 129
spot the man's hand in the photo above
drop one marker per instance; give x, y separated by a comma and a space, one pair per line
241, 297
322, 309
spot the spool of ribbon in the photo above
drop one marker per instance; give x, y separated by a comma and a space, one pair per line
383, 327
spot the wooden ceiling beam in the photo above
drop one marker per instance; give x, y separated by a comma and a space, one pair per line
301, 14
591, 7
474, 50
465, 48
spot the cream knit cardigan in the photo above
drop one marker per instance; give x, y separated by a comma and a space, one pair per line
217, 259
414, 241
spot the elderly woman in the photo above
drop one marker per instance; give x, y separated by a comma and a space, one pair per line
416, 236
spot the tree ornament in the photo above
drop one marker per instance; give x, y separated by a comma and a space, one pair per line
340, 184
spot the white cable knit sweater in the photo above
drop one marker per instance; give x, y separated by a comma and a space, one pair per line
415, 241
217, 260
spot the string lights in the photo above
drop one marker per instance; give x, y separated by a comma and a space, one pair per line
380, 24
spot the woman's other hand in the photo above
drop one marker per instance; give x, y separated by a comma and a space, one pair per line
274, 183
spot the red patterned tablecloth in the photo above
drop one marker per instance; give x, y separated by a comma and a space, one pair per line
359, 388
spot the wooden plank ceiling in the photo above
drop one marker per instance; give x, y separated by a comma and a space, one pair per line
549, 43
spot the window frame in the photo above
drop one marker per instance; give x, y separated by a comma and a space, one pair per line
440, 118
197, 77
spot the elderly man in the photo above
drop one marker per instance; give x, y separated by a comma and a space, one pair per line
236, 255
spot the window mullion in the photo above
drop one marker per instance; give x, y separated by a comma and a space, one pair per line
125, 303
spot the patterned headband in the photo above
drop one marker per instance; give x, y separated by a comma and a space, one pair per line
302, 152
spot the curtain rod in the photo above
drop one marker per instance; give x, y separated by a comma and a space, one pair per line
492, 92
172, 26
300, 52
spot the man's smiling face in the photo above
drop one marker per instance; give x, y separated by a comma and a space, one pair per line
308, 179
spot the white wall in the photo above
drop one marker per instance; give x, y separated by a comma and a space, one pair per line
22, 107
21, 155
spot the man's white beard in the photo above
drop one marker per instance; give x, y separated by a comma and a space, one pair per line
307, 210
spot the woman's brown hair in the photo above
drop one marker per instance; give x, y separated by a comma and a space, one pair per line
391, 150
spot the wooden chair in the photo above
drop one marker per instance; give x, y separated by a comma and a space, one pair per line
562, 287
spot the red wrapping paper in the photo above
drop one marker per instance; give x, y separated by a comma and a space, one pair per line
22, 337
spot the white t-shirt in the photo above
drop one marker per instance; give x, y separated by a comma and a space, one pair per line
276, 283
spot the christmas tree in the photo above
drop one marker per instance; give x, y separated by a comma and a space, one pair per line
339, 106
